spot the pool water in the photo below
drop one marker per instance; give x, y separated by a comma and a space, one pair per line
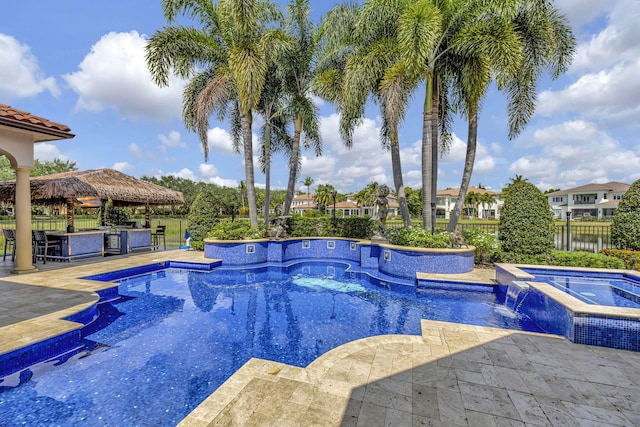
176, 335
612, 289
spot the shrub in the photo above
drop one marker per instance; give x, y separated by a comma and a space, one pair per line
485, 242
526, 222
352, 228
418, 237
564, 258
630, 259
236, 230
625, 228
202, 217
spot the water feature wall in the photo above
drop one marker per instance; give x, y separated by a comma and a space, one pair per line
579, 322
397, 261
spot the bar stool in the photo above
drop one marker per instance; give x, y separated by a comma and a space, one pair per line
158, 234
42, 245
9, 243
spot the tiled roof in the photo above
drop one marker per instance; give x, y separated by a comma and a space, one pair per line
14, 114
454, 191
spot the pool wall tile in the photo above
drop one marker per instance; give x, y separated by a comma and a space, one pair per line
369, 256
406, 264
16, 360
607, 332
235, 253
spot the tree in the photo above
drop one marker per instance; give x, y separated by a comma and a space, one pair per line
324, 196
40, 168
372, 65
526, 222
308, 182
226, 62
625, 227
545, 42
273, 134
518, 179
296, 63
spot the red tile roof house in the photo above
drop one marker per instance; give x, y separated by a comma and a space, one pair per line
304, 202
19, 130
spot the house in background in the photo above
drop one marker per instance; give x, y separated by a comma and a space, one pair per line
446, 200
591, 200
344, 209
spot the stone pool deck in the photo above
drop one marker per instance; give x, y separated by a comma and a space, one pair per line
452, 375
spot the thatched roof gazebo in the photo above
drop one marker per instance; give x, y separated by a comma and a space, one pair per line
104, 184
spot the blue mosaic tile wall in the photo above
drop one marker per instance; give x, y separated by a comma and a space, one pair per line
320, 248
137, 240
607, 331
39, 352
550, 315
238, 253
83, 244
369, 256
407, 263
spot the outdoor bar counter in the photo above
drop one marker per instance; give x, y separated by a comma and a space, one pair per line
90, 243
126, 240
81, 244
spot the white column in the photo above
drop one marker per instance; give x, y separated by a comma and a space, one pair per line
24, 255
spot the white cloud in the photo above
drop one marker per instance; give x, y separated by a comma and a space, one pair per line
171, 141
185, 173
207, 171
219, 140
136, 150
605, 95
114, 75
222, 182
46, 152
123, 166
20, 74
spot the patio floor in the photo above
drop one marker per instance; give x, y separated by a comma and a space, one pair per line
452, 375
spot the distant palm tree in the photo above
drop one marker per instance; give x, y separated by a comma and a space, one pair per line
308, 182
324, 196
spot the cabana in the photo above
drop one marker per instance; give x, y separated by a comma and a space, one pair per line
101, 184
19, 131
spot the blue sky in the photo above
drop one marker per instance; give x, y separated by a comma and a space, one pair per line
82, 64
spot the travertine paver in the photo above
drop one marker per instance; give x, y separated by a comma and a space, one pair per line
454, 375
451, 375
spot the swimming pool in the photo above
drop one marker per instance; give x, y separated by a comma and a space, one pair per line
613, 289
175, 335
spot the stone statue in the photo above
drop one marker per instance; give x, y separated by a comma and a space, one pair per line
380, 213
278, 227
457, 239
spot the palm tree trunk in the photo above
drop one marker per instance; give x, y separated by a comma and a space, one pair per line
267, 173
245, 120
427, 153
434, 159
396, 167
293, 165
472, 136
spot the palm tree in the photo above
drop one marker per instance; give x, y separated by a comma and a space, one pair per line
226, 61
361, 57
324, 196
273, 135
428, 32
308, 182
547, 43
297, 68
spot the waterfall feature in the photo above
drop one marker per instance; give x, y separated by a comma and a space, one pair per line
515, 294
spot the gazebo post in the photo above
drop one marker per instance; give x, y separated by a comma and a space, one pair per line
24, 254
70, 212
103, 213
147, 216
